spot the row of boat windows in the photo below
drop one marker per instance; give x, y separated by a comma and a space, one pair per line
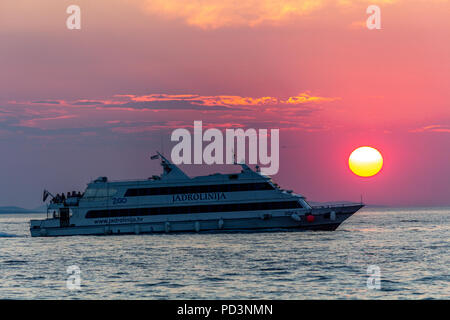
136, 192
128, 212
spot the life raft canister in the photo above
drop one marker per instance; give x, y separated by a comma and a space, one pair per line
332, 215
310, 218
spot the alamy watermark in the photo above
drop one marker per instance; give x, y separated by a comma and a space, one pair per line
374, 20
374, 279
73, 282
74, 20
213, 153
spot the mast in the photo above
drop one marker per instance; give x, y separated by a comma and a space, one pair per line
170, 170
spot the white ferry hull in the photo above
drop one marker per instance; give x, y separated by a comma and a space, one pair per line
325, 218
175, 203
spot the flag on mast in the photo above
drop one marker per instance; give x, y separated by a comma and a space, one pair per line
45, 195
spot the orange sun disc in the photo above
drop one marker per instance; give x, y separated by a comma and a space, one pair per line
365, 161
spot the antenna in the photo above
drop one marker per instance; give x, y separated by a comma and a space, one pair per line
162, 145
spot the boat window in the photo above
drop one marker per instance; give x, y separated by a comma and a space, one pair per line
193, 209
136, 192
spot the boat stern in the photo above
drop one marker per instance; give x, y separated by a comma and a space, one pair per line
39, 228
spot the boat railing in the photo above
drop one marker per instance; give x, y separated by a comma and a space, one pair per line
334, 205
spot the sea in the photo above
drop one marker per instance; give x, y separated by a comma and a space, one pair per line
378, 253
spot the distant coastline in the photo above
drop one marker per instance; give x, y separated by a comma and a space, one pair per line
18, 210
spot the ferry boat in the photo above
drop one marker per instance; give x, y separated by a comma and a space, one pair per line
173, 202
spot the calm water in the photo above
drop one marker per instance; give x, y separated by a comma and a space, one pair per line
410, 246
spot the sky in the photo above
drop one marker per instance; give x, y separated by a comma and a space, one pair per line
78, 104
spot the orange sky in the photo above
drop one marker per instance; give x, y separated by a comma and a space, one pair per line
138, 69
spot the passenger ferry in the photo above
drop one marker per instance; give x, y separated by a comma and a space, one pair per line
174, 202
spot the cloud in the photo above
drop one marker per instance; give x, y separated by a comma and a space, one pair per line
32, 123
226, 101
213, 14
433, 128
163, 105
141, 114
358, 25
87, 103
46, 102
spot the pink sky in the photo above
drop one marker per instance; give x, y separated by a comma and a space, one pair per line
76, 104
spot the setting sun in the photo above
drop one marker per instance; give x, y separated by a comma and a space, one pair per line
365, 161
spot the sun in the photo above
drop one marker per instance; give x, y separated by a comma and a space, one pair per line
365, 161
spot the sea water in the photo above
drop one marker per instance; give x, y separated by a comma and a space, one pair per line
408, 247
